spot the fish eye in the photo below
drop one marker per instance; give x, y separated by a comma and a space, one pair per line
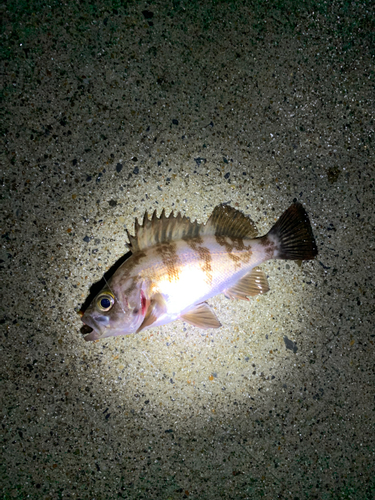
105, 301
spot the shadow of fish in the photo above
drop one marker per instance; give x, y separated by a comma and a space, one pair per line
176, 265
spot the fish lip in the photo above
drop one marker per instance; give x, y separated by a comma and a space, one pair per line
90, 322
92, 336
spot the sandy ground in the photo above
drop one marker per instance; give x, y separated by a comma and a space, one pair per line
110, 112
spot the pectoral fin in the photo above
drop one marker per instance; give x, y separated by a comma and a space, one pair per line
202, 316
253, 283
155, 309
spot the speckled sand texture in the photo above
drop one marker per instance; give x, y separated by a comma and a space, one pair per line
109, 111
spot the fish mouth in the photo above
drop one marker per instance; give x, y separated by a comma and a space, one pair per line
89, 333
90, 329
86, 329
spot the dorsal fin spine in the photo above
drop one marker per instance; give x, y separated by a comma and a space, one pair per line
224, 221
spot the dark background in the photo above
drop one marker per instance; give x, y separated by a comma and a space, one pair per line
110, 109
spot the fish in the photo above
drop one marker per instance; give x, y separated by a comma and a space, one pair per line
176, 265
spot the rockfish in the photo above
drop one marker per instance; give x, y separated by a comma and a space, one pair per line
176, 265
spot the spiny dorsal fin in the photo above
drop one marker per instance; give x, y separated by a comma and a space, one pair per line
224, 221
162, 230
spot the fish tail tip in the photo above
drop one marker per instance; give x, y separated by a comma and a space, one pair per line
294, 236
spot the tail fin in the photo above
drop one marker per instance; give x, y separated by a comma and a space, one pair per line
292, 235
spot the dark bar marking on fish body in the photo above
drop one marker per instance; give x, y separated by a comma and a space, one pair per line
269, 246
170, 258
205, 258
236, 251
221, 240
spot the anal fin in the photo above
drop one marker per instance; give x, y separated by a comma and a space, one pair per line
253, 283
202, 316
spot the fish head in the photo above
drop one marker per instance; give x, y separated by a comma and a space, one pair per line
116, 310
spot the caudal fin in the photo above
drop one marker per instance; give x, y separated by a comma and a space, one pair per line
292, 235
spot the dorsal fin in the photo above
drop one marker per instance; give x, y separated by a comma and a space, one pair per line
224, 221
227, 221
162, 230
